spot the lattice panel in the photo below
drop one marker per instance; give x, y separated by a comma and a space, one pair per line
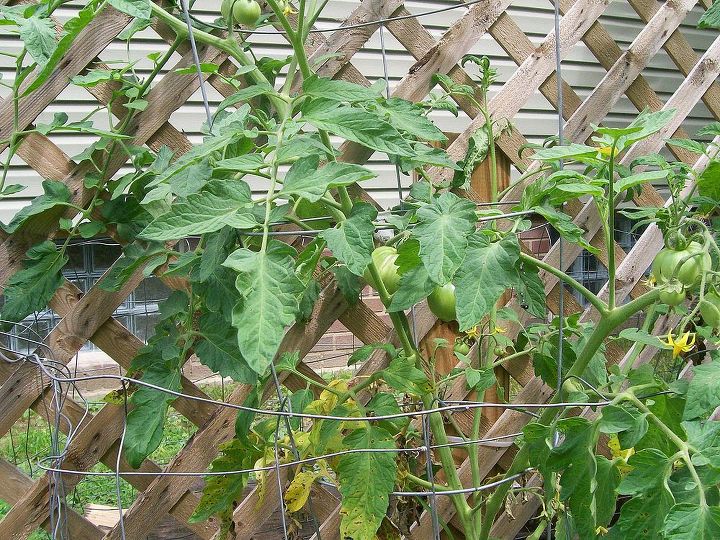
89, 316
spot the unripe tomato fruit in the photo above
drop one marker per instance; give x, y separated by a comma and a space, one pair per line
462, 348
384, 259
672, 298
244, 11
689, 272
710, 309
442, 302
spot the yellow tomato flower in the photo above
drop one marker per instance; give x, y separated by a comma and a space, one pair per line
288, 10
650, 281
498, 330
605, 150
681, 345
473, 333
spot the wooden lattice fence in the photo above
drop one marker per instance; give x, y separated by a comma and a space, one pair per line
88, 316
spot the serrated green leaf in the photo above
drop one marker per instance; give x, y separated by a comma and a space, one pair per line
531, 292
564, 225
402, 375
352, 240
146, 421
358, 125
133, 257
139, 9
221, 203
247, 163
54, 193
415, 285
218, 349
628, 422
704, 437
217, 248
442, 230
31, 288
38, 35
692, 522
71, 30
703, 395
349, 284
244, 94
651, 469
480, 380
271, 292
641, 518
607, 478
304, 179
633, 180
489, 268
566, 152
688, 144
364, 503
711, 18
709, 181
408, 117
338, 90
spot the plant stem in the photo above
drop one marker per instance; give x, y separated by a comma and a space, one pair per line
610, 241
574, 284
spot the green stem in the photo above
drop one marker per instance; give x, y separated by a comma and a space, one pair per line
574, 284
610, 240
424, 483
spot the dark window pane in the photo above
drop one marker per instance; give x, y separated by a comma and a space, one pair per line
104, 255
151, 291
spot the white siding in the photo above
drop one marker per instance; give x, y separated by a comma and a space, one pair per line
536, 120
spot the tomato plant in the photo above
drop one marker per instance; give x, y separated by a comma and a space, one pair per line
243, 287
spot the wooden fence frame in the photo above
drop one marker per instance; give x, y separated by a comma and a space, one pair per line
88, 316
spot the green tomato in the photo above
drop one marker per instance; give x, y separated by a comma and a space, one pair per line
710, 309
442, 302
462, 348
671, 297
243, 11
246, 12
668, 262
384, 259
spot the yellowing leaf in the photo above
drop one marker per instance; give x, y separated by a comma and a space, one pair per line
299, 490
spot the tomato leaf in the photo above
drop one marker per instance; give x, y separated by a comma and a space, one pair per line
365, 502
146, 421
338, 90
219, 204
650, 471
703, 395
442, 230
692, 522
55, 193
352, 240
271, 293
489, 268
358, 125
709, 181
71, 30
38, 35
218, 349
306, 180
31, 288
629, 423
